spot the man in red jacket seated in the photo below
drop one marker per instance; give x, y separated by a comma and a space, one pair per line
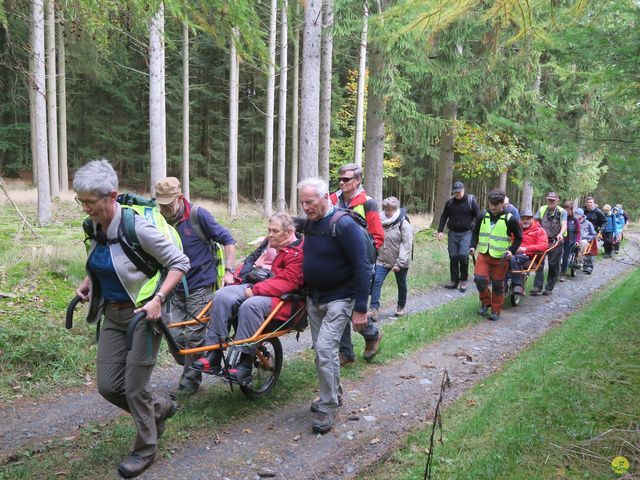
254, 302
534, 239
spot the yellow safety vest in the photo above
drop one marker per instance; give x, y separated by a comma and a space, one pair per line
494, 239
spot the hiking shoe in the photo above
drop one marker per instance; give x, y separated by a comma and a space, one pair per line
535, 292
494, 316
373, 314
160, 422
241, 374
371, 347
462, 286
344, 361
134, 465
451, 285
517, 290
322, 422
587, 272
315, 405
483, 311
561, 278
210, 364
548, 292
400, 312
188, 388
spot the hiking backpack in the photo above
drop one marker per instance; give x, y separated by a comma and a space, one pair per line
401, 218
369, 244
132, 205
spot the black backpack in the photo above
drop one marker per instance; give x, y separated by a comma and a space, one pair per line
216, 250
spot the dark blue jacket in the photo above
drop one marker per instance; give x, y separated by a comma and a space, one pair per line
202, 272
336, 268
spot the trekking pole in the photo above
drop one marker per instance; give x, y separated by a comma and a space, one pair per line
70, 309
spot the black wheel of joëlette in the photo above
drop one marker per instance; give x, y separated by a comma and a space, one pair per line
266, 369
516, 299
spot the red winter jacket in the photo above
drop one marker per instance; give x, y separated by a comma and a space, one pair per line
534, 239
287, 270
371, 213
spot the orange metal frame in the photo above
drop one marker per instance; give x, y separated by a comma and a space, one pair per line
537, 260
203, 317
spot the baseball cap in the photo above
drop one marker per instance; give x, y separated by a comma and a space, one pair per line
458, 187
167, 190
526, 213
579, 211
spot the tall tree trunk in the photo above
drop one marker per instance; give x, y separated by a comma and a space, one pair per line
40, 125
62, 105
234, 94
185, 110
32, 113
267, 207
157, 109
502, 182
293, 190
374, 143
282, 111
445, 163
527, 185
52, 104
362, 75
310, 93
325, 90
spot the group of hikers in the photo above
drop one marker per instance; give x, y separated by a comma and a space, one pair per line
339, 255
508, 241
328, 254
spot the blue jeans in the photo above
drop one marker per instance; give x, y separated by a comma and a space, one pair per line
401, 280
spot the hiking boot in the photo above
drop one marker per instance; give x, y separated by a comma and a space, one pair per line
494, 316
548, 292
373, 314
587, 272
517, 290
134, 465
210, 364
400, 312
483, 311
160, 422
535, 292
462, 286
561, 278
241, 373
451, 285
371, 347
188, 388
316, 404
344, 361
322, 422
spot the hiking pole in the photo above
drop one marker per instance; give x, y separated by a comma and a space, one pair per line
70, 309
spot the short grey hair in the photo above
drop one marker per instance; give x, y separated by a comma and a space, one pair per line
319, 185
391, 202
351, 167
97, 177
285, 220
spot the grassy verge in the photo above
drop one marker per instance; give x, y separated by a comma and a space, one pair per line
97, 449
562, 409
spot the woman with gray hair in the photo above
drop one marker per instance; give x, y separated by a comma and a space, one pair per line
117, 289
394, 255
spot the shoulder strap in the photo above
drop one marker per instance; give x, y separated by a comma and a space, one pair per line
128, 239
194, 218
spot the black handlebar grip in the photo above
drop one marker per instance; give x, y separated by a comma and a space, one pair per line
132, 328
173, 345
70, 309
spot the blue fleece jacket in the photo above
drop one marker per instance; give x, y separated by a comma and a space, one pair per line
335, 268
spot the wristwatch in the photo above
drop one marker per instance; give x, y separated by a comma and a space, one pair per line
161, 296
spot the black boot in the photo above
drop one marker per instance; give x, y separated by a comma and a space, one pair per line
241, 373
211, 363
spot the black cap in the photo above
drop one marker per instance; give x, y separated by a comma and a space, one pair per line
458, 187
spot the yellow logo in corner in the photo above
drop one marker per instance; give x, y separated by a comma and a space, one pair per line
620, 465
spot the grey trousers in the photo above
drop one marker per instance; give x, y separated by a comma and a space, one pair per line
327, 322
123, 377
553, 259
191, 336
458, 245
251, 312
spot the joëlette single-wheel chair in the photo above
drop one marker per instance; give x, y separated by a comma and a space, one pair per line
535, 262
268, 362
576, 253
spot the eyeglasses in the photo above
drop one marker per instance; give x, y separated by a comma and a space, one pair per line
345, 179
89, 203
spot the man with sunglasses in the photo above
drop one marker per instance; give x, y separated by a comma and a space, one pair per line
496, 236
352, 196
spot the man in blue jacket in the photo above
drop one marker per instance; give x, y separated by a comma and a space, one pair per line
193, 295
337, 275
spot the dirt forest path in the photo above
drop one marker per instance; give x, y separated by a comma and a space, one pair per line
377, 414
